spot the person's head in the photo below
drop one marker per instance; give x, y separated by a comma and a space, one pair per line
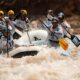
61, 16
23, 14
1, 14
55, 22
50, 12
11, 14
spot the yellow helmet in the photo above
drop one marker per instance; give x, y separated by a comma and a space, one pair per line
1, 12
11, 12
23, 12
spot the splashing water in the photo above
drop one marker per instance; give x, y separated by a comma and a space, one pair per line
46, 65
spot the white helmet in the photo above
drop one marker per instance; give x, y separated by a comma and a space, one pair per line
61, 15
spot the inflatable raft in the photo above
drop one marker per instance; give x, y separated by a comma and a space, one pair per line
36, 37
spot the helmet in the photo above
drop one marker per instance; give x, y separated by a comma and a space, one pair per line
11, 12
1, 12
61, 15
23, 12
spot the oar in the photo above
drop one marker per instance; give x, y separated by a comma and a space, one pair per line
62, 41
7, 40
73, 38
28, 36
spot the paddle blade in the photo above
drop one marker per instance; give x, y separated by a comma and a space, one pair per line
75, 40
63, 43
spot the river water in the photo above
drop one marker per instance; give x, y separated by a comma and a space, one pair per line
46, 65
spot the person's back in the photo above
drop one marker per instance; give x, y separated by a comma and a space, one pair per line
10, 18
22, 22
48, 20
2, 23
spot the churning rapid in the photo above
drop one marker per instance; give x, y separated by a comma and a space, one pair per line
47, 64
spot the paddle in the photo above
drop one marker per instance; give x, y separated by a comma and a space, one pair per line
73, 38
8, 36
28, 36
62, 41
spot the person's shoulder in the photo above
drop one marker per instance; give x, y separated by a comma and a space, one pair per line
6, 17
18, 20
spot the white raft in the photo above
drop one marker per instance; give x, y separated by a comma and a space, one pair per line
25, 51
40, 35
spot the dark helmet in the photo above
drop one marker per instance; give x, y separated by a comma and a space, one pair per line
61, 15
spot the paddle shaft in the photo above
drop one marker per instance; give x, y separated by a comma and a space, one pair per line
7, 40
28, 37
44, 24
